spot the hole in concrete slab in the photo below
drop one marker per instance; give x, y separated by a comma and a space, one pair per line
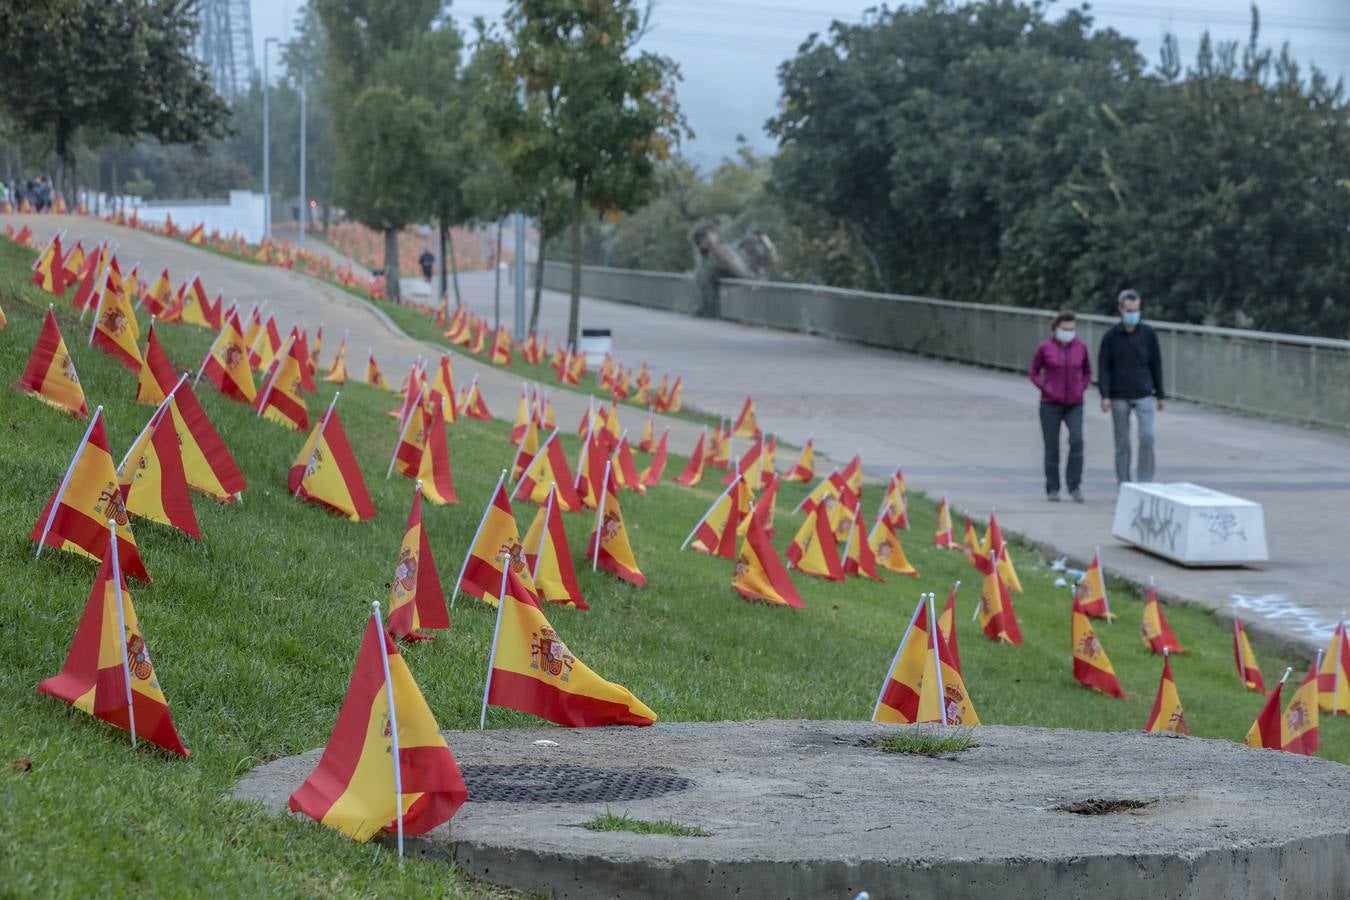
921, 742
1102, 807
566, 784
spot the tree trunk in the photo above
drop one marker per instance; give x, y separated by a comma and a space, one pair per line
538, 283
497, 280
454, 269
391, 285
574, 306
443, 234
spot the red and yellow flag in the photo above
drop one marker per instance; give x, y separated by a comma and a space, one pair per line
415, 600
151, 476
76, 516
1249, 673
160, 295
674, 400
591, 460
50, 373
947, 626
49, 272
997, 616
473, 405
1268, 731
443, 384
528, 446
207, 463
115, 331
897, 501
719, 453
433, 467
608, 547
970, 546
548, 468
693, 472
1091, 667
858, 556
197, 309
90, 278
523, 417
500, 354
885, 544
383, 760
748, 465
74, 262
281, 400
325, 470
814, 550
993, 537
337, 372
1154, 629
549, 558
1167, 714
533, 671
264, 346
1091, 591
196, 235
943, 698
497, 537
651, 476
226, 365
759, 573
1300, 725
805, 468
108, 673
716, 533
648, 440
1333, 676
944, 536
746, 423
898, 701
625, 468
156, 370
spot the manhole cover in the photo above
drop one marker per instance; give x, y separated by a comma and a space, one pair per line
566, 784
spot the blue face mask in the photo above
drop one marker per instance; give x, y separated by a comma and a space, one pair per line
1131, 318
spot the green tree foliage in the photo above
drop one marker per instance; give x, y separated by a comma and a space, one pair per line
983, 151
603, 114
116, 68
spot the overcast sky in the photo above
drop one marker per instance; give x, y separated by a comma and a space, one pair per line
729, 50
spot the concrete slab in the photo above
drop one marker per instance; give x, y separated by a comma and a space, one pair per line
807, 809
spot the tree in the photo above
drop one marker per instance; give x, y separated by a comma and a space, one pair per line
121, 68
602, 114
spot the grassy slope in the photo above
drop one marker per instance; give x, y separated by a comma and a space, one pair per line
254, 630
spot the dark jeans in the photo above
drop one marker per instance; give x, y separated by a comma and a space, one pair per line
1052, 414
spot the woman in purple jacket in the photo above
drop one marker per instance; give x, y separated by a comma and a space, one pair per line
1062, 370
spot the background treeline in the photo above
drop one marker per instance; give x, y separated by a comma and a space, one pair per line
989, 152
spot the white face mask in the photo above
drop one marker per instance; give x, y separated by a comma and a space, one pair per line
1065, 335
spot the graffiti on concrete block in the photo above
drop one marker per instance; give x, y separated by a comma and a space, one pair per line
1155, 523
1223, 525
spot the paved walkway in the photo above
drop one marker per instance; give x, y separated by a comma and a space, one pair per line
968, 431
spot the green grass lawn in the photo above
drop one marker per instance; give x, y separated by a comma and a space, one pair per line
254, 630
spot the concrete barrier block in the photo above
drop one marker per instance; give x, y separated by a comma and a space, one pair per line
1190, 524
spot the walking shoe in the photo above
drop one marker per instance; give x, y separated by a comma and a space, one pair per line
1052, 496
1077, 495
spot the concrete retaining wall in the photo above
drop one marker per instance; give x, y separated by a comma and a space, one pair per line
1280, 376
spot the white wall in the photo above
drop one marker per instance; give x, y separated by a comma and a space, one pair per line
243, 213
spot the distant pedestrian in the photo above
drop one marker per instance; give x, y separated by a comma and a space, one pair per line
1062, 369
427, 262
1130, 377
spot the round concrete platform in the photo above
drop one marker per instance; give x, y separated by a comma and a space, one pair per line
815, 809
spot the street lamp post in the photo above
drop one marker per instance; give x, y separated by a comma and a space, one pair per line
267, 143
304, 198
520, 276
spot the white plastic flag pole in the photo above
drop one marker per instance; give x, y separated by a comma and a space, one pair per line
601, 495
496, 632
318, 439
937, 657
543, 449
393, 726
210, 351
719, 499
477, 531
402, 426
154, 420
65, 482
1101, 576
103, 289
891, 668
276, 373
548, 511
122, 626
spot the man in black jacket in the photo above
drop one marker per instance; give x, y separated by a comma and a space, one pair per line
1129, 376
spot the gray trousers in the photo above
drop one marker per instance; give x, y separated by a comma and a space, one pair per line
1145, 408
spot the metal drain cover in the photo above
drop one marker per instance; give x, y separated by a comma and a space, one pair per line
566, 784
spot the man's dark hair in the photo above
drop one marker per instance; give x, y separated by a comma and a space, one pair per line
1064, 315
1127, 295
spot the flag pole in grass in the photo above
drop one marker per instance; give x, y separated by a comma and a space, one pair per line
65, 482
210, 351
103, 289
393, 726
600, 517
122, 627
474, 543
496, 632
719, 499
937, 657
403, 423
276, 373
318, 439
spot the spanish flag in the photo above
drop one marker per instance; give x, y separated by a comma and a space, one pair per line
207, 463
549, 557
226, 365
693, 472
76, 517
281, 400
527, 447
746, 423
1091, 667
608, 547
944, 536
947, 626
996, 613
898, 701
897, 500
523, 417
719, 453
497, 537
156, 370
805, 468
674, 401
337, 372
548, 468
533, 671
301, 350
160, 295
625, 468
1268, 731
479, 337
648, 439
500, 354
747, 465
591, 459
152, 479
1154, 629
90, 278
374, 377
1300, 733
613, 431
473, 405
715, 534
314, 348
828, 489
415, 600
196, 308
1092, 591
651, 476
386, 765
1249, 673
443, 384
49, 272
115, 331
265, 345
325, 470
970, 545
759, 574
1167, 715
108, 673
886, 548
73, 264
993, 537
769, 500
196, 234
943, 698
1333, 676
858, 556
50, 373
814, 550
433, 467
